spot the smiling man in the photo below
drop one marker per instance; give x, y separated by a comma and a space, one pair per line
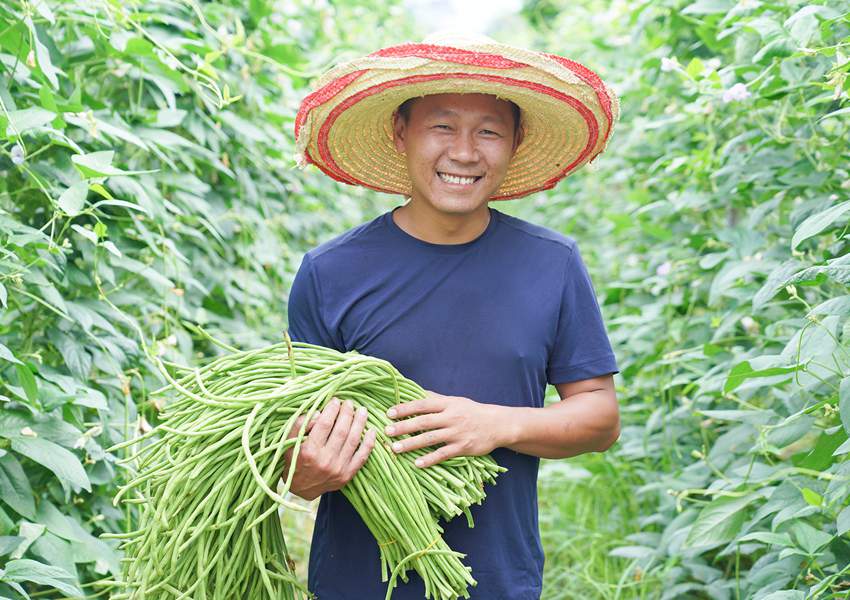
480, 308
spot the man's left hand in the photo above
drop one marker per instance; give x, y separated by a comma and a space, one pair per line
464, 427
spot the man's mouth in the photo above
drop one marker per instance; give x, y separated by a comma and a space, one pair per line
458, 179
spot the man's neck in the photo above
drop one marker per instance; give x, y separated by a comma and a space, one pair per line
429, 225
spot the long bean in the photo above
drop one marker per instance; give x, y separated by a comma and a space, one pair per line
209, 481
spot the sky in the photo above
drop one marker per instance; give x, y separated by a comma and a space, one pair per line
469, 16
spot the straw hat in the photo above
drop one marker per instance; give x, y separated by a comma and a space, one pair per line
345, 126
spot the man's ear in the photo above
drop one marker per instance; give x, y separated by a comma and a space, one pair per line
399, 127
518, 137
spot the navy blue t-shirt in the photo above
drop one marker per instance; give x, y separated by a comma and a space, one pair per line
494, 319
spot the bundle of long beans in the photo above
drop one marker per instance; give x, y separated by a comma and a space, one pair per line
208, 479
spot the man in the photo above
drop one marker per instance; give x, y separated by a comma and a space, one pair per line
480, 308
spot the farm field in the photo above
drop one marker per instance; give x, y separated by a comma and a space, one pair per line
151, 211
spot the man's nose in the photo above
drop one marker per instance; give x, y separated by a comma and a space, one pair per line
463, 148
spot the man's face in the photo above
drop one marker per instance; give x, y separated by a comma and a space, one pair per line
458, 147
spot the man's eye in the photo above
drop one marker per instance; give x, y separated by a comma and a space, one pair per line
442, 126
489, 132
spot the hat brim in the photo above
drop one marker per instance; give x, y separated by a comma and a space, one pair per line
345, 127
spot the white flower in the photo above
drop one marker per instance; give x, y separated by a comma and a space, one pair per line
17, 154
669, 64
295, 27
749, 324
27, 431
664, 269
736, 93
632, 260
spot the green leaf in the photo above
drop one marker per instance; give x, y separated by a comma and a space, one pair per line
817, 223
812, 497
15, 488
41, 574
65, 465
42, 55
86, 233
26, 119
28, 532
99, 164
719, 522
768, 537
743, 371
708, 7
73, 199
27, 381
808, 538
785, 595
842, 523
695, 67
844, 403
6, 354
8, 543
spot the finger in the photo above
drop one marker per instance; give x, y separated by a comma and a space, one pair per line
413, 424
414, 407
322, 427
353, 439
340, 430
423, 440
437, 456
359, 458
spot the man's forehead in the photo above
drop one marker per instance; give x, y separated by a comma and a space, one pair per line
453, 104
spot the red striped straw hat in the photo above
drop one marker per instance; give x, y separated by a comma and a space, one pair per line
345, 126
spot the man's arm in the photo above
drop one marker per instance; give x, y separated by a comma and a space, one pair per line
587, 419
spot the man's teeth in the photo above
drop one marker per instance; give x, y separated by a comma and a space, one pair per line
455, 179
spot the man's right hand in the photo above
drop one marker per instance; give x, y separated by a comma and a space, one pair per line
332, 452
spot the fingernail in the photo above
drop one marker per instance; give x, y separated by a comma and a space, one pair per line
397, 446
361, 412
334, 402
390, 430
391, 413
419, 462
349, 404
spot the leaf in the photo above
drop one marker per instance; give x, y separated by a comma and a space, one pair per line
743, 371
65, 465
86, 233
816, 223
768, 537
809, 538
26, 119
6, 354
41, 574
27, 381
776, 280
812, 497
708, 7
719, 522
99, 164
15, 488
73, 199
842, 523
8, 543
785, 595
28, 532
42, 55
844, 403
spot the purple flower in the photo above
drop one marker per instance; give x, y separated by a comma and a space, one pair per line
736, 93
17, 154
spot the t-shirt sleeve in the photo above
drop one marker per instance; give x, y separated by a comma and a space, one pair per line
582, 349
304, 310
